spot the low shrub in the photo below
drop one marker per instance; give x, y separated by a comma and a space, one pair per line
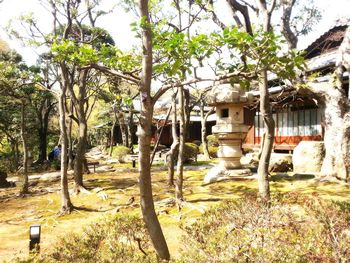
8, 162
56, 164
191, 151
120, 153
115, 239
213, 151
246, 231
197, 142
213, 140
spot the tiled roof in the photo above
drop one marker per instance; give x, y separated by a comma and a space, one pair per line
322, 61
321, 41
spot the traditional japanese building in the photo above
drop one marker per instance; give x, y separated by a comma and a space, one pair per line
297, 117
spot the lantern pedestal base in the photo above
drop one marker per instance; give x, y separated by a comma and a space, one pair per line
221, 173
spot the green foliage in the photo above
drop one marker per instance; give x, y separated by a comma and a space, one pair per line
175, 53
113, 239
16, 78
85, 45
213, 144
7, 162
197, 142
307, 15
213, 140
85, 54
56, 164
247, 231
17, 86
115, 58
191, 151
213, 151
171, 44
72, 52
264, 50
120, 153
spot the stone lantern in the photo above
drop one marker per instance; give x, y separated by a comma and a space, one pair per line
229, 129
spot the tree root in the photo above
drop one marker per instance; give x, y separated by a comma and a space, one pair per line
66, 210
180, 203
81, 189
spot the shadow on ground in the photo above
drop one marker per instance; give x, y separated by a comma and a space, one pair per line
296, 177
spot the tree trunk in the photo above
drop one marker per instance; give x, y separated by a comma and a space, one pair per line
337, 116
66, 205
180, 160
123, 128
160, 135
130, 127
147, 205
42, 132
70, 144
187, 113
79, 105
337, 137
24, 186
337, 128
13, 153
17, 154
292, 39
170, 156
80, 156
204, 131
112, 135
266, 113
69, 123
144, 133
266, 147
14, 150
43, 117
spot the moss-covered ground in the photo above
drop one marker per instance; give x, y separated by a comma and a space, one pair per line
110, 192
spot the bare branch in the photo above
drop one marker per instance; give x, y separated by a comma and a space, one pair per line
290, 36
243, 9
254, 8
113, 72
215, 18
266, 12
166, 87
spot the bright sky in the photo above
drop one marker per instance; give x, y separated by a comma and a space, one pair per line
118, 23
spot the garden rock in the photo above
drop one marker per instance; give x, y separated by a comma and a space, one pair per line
250, 159
104, 169
50, 177
280, 163
308, 157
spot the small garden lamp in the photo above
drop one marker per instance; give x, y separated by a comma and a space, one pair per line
133, 162
34, 238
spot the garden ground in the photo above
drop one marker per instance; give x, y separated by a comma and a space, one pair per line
110, 192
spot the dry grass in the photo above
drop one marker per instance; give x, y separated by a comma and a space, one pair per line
42, 205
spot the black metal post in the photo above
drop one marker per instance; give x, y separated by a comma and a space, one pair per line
34, 238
